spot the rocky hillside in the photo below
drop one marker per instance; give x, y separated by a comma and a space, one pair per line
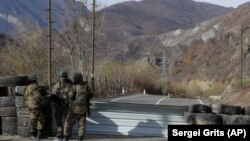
208, 53
154, 17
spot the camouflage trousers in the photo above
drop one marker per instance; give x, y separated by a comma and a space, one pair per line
36, 120
59, 115
72, 116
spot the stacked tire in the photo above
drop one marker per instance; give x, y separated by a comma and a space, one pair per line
232, 115
8, 115
200, 114
8, 111
22, 118
217, 114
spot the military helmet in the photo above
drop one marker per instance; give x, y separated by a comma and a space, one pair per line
77, 78
64, 74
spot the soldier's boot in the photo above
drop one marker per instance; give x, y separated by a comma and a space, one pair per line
32, 135
59, 134
66, 138
80, 138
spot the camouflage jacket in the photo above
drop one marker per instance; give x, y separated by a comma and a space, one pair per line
63, 90
79, 100
33, 98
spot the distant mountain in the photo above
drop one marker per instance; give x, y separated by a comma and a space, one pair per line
154, 17
120, 21
12, 12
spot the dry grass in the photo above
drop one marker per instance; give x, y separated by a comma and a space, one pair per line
190, 58
237, 98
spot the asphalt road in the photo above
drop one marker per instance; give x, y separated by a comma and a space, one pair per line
157, 100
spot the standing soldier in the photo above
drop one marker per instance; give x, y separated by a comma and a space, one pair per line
34, 101
61, 90
77, 107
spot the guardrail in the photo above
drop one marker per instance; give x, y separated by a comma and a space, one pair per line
131, 119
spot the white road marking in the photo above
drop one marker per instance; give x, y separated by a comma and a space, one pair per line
159, 101
125, 98
200, 101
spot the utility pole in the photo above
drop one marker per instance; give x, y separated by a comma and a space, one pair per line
164, 73
93, 47
242, 30
49, 44
241, 59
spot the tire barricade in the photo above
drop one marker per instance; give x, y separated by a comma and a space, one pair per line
22, 118
217, 114
8, 115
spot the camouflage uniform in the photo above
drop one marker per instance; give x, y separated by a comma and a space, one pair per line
61, 89
77, 109
34, 100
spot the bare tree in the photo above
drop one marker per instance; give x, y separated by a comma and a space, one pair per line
75, 35
27, 53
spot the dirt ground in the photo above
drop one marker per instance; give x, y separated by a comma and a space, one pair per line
90, 138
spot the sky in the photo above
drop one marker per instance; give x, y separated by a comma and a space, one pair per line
225, 3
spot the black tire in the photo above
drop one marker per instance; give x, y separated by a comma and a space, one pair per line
9, 130
226, 109
23, 131
7, 111
20, 90
24, 122
19, 101
236, 119
7, 101
6, 121
22, 112
199, 108
202, 119
32, 78
246, 110
13, 81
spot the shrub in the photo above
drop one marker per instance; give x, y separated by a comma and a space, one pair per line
175, 70
174, 89
194, 90
216, 89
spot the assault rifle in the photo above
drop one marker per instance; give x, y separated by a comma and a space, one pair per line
56, 99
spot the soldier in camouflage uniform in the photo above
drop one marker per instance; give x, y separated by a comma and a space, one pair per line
34, 101
61, 89
77, 107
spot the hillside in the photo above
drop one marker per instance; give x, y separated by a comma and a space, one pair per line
204, 56
154, 17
